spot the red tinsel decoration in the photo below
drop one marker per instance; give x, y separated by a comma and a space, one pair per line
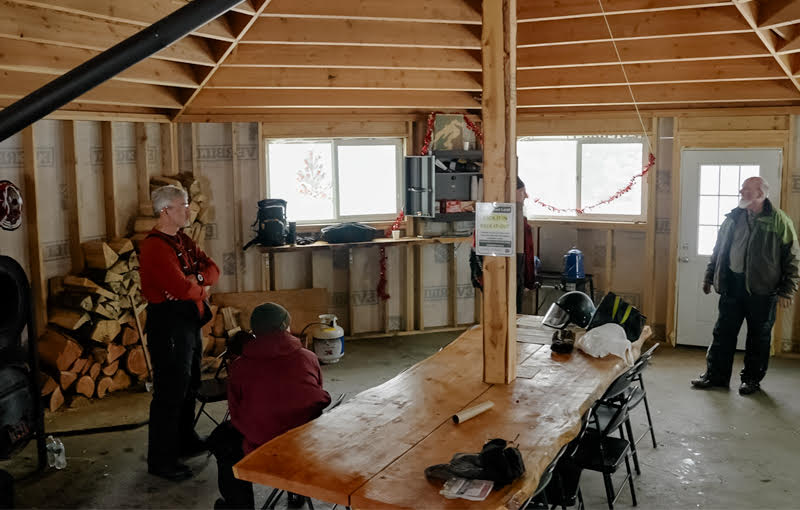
401, 216
382, 294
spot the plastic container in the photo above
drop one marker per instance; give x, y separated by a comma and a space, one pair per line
573, 264
328, 340
56, 456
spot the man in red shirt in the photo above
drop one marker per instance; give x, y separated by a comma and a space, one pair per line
273, 386
176, 276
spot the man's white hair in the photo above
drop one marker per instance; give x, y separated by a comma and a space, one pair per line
762, 184
163, 197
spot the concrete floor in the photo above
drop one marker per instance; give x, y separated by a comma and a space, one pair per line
716, 449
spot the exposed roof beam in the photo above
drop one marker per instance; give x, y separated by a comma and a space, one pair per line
238, 99
541, 10
18, 84
440, 11
39, 25
764, 68
687, 22
775, 13
366, 57
142, 12
708, 47
661, 94
749, 11
330, 78
17, 55
363, 33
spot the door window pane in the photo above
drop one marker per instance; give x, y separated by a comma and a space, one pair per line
301, 173
367, 179
706, 237
607, 168
709, 179
708, 210
549, 170
726, 204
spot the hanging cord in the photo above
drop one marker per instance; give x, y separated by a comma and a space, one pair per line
625, 75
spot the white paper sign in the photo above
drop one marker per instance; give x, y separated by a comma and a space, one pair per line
495, 229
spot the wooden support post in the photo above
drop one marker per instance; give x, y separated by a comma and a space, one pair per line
385, 302
409, 308
609, 272
35, 257
498, 50
419, 287
649, 279
271, 271
195, 168
675, 225
109, 181
169, 149
73, 196
262, 193
142, 164
452, 294
237, 208
350, 304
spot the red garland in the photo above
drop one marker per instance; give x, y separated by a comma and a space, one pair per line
401, 216
619, 193
382, 278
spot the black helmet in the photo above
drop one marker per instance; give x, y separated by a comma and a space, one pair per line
573, 307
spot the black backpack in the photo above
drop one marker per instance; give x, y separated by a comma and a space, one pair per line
271, 225
614, 309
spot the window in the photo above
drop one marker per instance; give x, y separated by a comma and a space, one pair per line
573, 172
719, 193
336, 180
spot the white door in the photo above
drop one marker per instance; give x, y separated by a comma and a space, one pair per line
710, 183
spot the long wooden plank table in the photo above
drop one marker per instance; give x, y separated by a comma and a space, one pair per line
371, 452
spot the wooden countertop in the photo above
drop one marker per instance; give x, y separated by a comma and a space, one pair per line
378, 241
372, 451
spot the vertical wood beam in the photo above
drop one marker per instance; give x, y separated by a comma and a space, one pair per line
35, 257
409, 308
237, 208
350, 303
498, 49
169, 149
195, 167
110, 181
649, 297
419, 287
609, 272
452, 294
73, 195
674, 239
262, 193
142, 164
385, 302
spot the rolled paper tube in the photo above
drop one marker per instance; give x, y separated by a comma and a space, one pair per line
472, 412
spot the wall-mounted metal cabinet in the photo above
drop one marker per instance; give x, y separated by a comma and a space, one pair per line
420, 186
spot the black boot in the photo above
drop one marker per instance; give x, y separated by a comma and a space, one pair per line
748, 388
704, 382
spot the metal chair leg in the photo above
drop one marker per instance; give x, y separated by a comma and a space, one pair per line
647, 410
609, 490
309, 503
630, 480
269, 498
633, 446
197, 417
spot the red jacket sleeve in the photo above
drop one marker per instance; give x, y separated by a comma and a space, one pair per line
207, 266
162, 273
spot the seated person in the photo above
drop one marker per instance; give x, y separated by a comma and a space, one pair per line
273, 386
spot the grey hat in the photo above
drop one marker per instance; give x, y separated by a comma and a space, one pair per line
268, 317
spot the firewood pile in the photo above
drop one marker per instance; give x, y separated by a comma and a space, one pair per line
223, 325
92, 346
198, 207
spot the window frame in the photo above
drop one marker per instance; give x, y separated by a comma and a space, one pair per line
337, 142
593, 139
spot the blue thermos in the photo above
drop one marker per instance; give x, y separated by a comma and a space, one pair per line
573, 264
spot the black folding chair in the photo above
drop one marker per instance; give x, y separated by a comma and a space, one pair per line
214, 390
599, 450
639, 394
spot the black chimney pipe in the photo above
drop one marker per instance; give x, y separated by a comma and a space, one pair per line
114, 60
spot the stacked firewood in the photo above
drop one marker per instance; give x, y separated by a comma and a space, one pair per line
223, 325
92, 345
198, 207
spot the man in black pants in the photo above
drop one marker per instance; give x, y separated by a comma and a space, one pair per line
754, 266
175, 278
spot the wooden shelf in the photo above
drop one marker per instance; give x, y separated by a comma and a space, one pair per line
378, 241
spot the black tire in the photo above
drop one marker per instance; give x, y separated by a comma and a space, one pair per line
15, 295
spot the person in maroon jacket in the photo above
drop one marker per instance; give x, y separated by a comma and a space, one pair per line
176, 276
274, 385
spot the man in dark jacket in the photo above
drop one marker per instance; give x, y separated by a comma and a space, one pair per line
176, 276
753, 267
274, 386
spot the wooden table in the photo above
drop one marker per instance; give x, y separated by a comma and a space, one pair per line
371, 452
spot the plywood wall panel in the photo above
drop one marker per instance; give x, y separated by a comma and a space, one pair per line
89, 154
126, 184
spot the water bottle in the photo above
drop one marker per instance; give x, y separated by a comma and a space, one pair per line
56, 456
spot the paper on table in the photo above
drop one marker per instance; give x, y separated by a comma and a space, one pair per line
473, 490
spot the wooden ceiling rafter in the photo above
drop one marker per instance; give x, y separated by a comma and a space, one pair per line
531, 10
227, 51
750, 12
140, 13
464, 12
